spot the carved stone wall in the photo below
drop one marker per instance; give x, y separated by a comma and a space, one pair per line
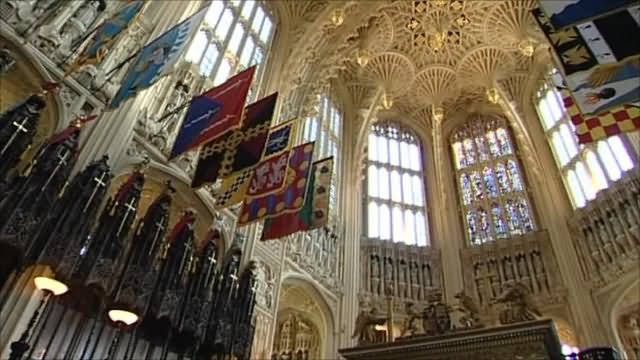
297, 337
318, 252
410, 272
493, 267
607, 232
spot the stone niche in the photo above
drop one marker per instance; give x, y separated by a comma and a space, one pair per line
529, 340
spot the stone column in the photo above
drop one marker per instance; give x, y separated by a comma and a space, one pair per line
449, 238
351, 213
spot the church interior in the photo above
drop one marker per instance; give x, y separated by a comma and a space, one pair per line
447, 186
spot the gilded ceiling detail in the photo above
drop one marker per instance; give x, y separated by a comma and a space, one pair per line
438, 53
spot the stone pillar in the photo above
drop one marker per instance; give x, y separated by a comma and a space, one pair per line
448, 237
351, 211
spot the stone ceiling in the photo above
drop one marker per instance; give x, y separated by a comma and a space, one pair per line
417, 53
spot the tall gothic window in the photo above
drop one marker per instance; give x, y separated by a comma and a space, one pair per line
325, 129
234, 35
490, 183
586, 169
395, 202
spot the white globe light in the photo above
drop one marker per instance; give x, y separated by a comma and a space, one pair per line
123, 316
52, 285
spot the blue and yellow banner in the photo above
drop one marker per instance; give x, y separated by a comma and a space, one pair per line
157, 58
106, 35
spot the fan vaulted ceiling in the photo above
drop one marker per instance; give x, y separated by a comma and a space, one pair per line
419, 54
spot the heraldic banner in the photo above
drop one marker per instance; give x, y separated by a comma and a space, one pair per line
239, 148
291, 198
315, 212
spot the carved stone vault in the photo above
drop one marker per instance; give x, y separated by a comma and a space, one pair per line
418, 53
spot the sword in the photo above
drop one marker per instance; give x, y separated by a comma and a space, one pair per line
60, 162
14, 135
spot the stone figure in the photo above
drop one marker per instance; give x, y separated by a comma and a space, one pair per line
469, 310
410, 326
427, 280
436, 318
518, 305
365, 326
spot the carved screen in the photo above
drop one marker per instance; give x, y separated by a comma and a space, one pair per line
395, 202
492, 190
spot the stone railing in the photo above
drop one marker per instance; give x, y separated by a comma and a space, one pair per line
607, 232
489, 269
409, 272
318, 253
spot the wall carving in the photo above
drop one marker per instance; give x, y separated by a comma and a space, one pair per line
494, 267
412, 273
297, 337
607, 232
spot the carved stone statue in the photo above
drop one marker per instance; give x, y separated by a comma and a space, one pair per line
436, 318
518, 306
410, 326
365, 326
469, 310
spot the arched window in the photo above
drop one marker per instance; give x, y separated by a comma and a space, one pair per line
233, 36
586, 169
492, 190
395, 207
325, 129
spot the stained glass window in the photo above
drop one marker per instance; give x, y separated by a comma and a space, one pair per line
325, 129
492, 189
394, 181
588, 168
232, 37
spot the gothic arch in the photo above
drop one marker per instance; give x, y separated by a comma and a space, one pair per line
299, 294
626, 299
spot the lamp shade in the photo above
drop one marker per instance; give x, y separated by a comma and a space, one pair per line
123, 316
52, 285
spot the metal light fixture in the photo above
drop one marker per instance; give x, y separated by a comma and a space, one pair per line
362, 57
526, 47
120, 316
337, 18
50, 287
438, 113
387, 101
53, 286
492, 95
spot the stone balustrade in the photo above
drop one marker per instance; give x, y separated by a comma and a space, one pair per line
489, 269
607, 232
410, 273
